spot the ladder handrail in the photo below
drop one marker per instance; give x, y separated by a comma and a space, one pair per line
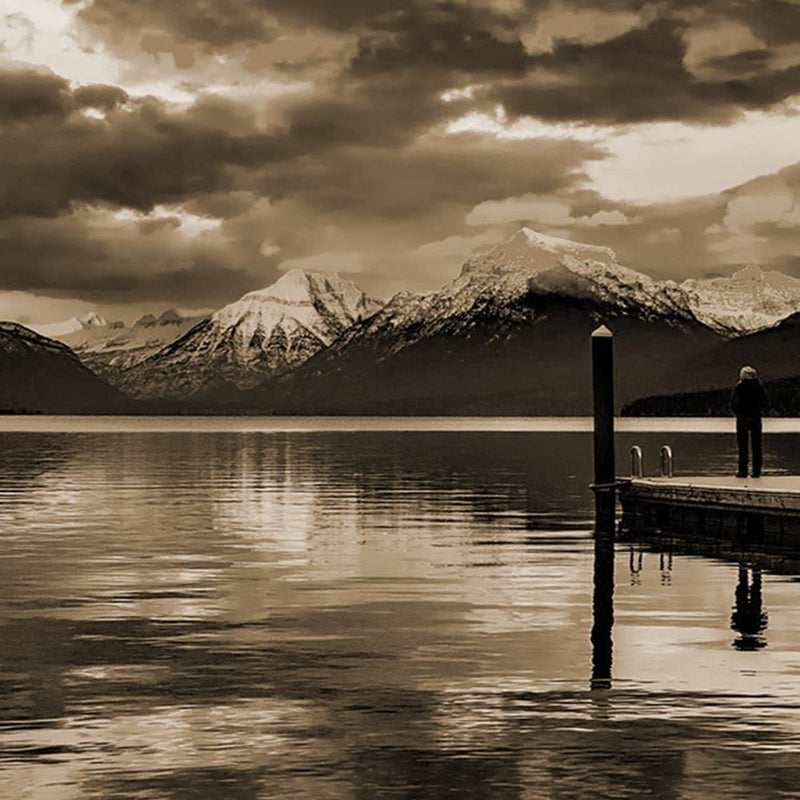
667, 468
637, 462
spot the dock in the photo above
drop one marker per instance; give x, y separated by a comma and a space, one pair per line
744, 513
771, 493
747, 512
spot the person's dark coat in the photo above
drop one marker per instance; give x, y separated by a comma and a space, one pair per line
749, 398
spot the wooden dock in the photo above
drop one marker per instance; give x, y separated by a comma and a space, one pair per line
747, 512
772, 493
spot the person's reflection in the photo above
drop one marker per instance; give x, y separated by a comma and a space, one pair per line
603, 601
665, 566
748, 617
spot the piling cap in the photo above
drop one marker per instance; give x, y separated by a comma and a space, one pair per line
601, 331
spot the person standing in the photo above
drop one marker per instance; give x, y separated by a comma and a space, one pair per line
748, 401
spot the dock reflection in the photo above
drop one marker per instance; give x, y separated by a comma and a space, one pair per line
748, 616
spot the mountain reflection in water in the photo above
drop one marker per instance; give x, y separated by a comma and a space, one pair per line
369, 615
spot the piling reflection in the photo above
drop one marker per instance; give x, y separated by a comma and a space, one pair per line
635, 565
748, 617
603, 596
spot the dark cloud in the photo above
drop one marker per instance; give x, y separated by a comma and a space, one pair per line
217, 23
100, 96
343, 199
137, 156
199, 285
355, 158
144, 153
446, 36
382, 113
639, 76
27, 94
77, 256
410, 183
777, 22
204, 283
220, 24
221, 205
342, 15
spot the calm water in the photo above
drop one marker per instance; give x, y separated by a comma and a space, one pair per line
189, 610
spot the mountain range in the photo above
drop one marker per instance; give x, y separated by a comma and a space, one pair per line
508, 335
267, 332
40, 375
108, 348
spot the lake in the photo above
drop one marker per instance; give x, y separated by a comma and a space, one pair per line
278, 608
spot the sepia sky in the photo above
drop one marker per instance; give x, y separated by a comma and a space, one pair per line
180, 153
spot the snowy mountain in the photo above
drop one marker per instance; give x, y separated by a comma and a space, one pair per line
509, 335
748, 301
532, 264
109, 348
43, 375
500, 285
266, 332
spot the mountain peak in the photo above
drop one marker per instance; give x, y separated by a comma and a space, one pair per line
292, 286
531, 253
299, 286
754, 274
749, 273
169, 317
557, 245
92, 320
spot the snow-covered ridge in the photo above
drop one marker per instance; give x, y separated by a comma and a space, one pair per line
531, 262
58, 329
322, 304
265, 332
559, 246
746, 302
108, 347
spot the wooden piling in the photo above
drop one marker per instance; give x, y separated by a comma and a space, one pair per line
603, 396
605, 506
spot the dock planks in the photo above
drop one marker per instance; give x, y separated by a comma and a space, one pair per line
771, 493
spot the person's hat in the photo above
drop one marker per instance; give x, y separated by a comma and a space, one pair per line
747, 373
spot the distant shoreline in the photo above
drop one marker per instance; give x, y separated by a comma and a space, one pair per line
351, 424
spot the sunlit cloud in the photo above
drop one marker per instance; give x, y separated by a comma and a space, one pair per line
187, 223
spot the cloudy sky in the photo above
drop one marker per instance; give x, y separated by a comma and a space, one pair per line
180, 153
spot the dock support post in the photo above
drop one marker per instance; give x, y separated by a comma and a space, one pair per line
605, 506
603, 397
